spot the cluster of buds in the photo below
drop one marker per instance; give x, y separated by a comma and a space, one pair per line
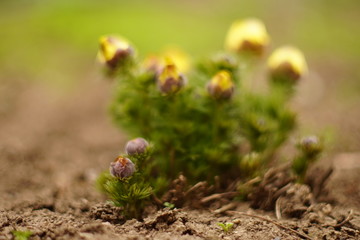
114, 51
122, 167
287, 65
169, 79
247, 36
221, 86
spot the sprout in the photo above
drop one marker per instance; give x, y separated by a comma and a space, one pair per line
221, 85
287, 64
226, 227
122, 167
249, 36
170, 80
136, 146
114, 51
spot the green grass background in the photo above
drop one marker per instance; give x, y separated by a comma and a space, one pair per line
56, 40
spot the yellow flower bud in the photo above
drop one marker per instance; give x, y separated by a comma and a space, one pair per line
287, 64
221, 85
179, 57
114, 50
247, 35
152, 63
170, 80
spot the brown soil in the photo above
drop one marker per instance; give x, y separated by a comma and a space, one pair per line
52, 148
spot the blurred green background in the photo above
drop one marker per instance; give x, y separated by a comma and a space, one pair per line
59, 37
56, 41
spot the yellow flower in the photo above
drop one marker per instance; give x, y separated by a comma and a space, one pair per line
169, 79
155, 63
221, 85
287, 63
179, 57
247, 35
114, 50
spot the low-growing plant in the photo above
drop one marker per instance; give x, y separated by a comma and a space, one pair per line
127, 182
169, 205
204, 123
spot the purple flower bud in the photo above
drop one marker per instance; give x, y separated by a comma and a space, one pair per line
136, 146
311, 145
122, 167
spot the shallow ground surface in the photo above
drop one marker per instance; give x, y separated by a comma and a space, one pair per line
52, 148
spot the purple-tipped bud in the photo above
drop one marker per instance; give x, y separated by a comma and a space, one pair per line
170, 80
311, 145
136, 146
114, 51
122, 167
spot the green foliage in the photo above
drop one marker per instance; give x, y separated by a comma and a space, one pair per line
226, 227
208, 123
195, 133
130, 193
21, 235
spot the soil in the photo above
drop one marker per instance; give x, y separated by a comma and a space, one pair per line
52, 148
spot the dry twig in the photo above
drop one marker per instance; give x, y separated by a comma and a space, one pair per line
277, 209
196, 187
217, 196
346, 220
225, 208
